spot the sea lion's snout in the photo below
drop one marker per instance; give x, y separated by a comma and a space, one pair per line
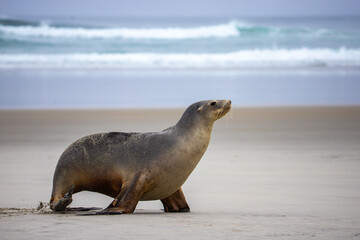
227, 104
223, 108
224, 104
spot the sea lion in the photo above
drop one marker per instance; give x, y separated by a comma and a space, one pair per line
133, 167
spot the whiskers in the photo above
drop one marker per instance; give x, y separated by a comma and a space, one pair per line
223, 111
227, 117
220, 113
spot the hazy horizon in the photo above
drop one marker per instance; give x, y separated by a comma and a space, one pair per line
186, 8
230, 17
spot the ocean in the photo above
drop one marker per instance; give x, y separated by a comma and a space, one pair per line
166, 62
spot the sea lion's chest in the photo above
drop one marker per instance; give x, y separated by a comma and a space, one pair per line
172, 169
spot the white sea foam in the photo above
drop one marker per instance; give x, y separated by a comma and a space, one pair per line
240, 59
44, 30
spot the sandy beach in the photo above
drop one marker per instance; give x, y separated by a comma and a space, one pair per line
269, 173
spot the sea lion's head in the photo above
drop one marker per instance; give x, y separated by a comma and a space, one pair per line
213, 109
204, 113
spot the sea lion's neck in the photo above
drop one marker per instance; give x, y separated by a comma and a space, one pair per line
193, 127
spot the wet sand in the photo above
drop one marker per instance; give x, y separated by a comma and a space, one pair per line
269, 173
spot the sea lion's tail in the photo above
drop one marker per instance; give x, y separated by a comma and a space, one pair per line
61, 204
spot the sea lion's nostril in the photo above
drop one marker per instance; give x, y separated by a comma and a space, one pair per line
229, 101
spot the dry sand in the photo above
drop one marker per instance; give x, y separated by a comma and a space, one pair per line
269, 173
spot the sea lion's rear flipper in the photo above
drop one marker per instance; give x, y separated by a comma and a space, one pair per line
176, 202
62, 203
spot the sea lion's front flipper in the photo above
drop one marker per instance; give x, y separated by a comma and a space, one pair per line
127, 199
176, 202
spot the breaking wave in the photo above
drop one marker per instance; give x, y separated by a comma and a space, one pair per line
12, 28
240, 59
45, 30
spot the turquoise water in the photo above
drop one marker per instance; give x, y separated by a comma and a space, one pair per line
123, 63
179, 43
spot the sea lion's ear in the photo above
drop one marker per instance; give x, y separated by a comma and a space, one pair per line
200, 108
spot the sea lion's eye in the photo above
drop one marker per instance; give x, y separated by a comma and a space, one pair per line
212, 103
